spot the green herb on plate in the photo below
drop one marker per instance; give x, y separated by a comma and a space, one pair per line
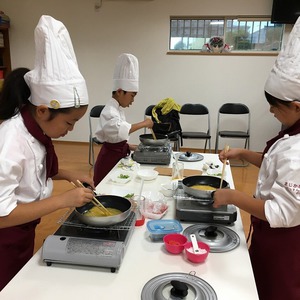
123, 176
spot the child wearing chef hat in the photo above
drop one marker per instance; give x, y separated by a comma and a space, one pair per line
275, 209
113, 130
36, 106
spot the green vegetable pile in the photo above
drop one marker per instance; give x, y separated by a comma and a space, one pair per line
123, 176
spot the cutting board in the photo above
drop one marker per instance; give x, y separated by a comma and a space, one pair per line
168, 171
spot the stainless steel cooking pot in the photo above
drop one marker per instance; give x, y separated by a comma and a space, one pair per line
148, 140
109, 201
212, 181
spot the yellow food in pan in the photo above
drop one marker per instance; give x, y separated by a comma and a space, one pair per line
96, 212
202, 187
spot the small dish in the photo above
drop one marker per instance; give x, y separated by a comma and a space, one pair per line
175, 242
128, 164
147, 174
121, 176
168, 189
196, 257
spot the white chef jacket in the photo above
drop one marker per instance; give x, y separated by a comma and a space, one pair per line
22, 166
279, 182
112, 126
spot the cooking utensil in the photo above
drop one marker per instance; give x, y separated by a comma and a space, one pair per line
191, 157
194, 243
161, 139
112, 201
220, 238
162, 286
148, 140
97, 203
212, 181
153, 134
224, 165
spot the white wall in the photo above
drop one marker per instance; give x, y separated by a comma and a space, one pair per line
142, 28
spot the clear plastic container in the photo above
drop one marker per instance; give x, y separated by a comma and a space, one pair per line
159, 228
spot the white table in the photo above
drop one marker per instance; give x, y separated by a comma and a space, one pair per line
230, 273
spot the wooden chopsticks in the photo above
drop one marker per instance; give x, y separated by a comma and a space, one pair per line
95, 201
153, 134
224, 165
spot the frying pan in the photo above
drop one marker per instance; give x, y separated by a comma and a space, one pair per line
148, 140
109, 201
161, 139
212, 181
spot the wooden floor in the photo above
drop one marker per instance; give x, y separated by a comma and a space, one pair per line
74, 156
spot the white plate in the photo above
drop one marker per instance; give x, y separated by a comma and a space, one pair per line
121, 176
147, 174
128, 164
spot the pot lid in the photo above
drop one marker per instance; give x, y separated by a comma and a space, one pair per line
189, 156
178, 286
219, 238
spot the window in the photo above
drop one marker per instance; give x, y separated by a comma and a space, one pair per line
239, 34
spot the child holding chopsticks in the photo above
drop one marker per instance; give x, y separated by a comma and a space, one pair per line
36, 106
275, 208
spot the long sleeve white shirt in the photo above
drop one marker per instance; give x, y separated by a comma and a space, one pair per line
279, 182
22, 166
112, 126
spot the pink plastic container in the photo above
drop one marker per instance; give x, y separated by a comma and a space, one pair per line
175, 242
196, 257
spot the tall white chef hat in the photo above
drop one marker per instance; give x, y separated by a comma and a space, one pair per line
55, 80
284, 79
126, 73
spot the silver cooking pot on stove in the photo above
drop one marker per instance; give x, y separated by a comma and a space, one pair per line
213, 181
109, 201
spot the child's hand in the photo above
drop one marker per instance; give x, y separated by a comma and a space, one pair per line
82, 178
77, 197
148, 123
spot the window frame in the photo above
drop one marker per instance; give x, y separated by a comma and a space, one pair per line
225, 18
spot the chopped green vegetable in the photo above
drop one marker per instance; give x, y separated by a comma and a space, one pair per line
128, 196
123, 176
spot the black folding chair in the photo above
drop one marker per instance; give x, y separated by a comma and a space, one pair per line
202, 112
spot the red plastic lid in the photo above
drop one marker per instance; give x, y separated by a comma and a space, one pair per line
140, 222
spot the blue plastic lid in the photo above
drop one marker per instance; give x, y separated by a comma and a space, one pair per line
164, 226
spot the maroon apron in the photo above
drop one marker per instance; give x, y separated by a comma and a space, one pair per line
275, 257
108, 157
16, 248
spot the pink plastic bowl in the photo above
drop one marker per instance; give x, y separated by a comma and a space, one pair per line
196, 257
174, 242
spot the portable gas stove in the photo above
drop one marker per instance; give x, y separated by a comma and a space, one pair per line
189, 208
80, 244
158, 155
